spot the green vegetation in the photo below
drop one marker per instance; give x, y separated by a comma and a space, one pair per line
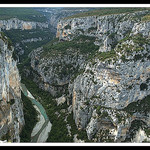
18, 35
120, 117
127, 49
59, 131
102, 135
139, 39
107, 11
12, 101
92, 29
76, 73
112, 35
104, 114
83, 44
135, 126
14, 55
6, 136
81, 134
26, 14
65, 70
145, 18
67, 27
143, 86
98, 110
80, 30
6, 40
147, 131
105, 55
137, 57
123, 58
142, 106
30, 116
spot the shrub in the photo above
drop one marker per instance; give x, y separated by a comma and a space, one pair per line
145, 18
135, 125
137, 57
81, 30
123, 58
86, 46
141, 106
105, 55
14, 55
106, 11
92, 29
143, 86
98, 110
12, 101
139, 39
67, 27
119, 118
104, 114
26, 14
30, 120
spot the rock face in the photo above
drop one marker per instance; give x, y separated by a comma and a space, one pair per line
112, 91
11, 108
56, 71
55, 14
107, 29
15, 23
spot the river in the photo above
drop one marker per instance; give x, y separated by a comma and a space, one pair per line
41, 130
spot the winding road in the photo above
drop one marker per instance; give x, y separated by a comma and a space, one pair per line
42, 128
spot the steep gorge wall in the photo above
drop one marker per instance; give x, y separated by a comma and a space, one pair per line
11, 108
113, 89
108, 86
15, 23
55, 72
107, 29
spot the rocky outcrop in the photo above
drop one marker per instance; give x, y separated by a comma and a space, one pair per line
113, 83
107, 29
15, 23
55, 71
55, 14
31, 40
112, 90
11, 107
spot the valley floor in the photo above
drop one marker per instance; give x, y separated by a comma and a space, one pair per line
41, 130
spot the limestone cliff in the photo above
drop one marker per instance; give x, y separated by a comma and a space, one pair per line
55, 14
11, 108
15, 23
109, 90
55, 72
107, 29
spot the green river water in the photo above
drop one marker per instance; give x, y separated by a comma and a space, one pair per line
42, 110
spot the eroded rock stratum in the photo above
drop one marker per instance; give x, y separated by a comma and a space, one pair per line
107, 82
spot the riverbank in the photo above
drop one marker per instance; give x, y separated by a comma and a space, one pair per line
42, 128
60, 115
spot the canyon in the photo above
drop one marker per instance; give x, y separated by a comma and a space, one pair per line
15, 23
114, 78
92, 78
11, 108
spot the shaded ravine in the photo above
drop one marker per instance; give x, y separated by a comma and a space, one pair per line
42, 134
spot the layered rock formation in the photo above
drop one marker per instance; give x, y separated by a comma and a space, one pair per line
15, 23
107, 29
55, 14
55, 72
112, 91
11, 108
